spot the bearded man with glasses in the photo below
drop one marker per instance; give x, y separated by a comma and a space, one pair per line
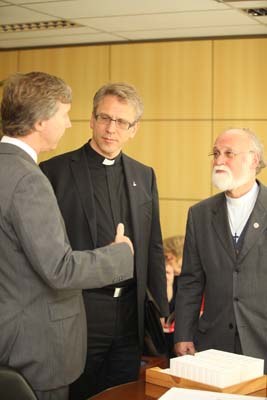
225, 256
98, 186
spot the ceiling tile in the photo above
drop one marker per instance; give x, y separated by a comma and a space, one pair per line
249, 4
30, 2
167, 21
101, 8
111, 21
263, 19
16, 15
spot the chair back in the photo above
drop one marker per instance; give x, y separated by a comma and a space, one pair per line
13, 386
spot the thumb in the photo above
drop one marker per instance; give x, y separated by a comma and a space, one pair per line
120, 230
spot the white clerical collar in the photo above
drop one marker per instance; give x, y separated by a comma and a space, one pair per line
19, 143
106, 161
249, 197
239, 210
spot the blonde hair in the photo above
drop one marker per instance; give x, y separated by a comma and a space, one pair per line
30, 97
174, 245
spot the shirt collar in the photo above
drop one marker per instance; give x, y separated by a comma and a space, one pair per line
247, 198
19, 143
101, 160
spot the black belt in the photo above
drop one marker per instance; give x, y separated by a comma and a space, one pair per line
114, 291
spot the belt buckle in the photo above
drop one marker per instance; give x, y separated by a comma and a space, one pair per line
117, 292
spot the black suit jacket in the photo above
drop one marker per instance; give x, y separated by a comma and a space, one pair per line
70, 177
235, 286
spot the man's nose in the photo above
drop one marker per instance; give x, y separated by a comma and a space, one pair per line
220, 159
111, 126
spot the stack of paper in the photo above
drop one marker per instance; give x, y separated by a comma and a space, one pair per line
189, 394
217, 368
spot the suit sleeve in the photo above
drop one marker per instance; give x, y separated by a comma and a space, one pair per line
40, 236
190, 287
156, 265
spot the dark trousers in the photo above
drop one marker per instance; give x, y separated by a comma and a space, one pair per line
113, 354
170, 345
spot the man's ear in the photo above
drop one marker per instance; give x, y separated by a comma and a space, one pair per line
92, 120
39, 126
256, 160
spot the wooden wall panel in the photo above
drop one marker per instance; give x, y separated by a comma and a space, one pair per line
173, 216
85, 69
240, 78
8, 65
173, 78
73, 138
178, 151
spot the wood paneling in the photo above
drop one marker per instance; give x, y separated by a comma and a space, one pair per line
85, 69
173, 78
8, 65
240, 79
173, 216
178, 151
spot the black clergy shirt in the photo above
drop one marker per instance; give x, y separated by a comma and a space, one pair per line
111, 197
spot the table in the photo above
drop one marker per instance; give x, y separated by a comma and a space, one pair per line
141, 390
138, 390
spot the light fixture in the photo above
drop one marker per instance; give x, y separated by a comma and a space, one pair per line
38, 26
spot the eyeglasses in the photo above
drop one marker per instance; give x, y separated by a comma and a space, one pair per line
120, 123
229, 154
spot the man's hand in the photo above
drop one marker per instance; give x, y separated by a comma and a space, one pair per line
183, 348
120, 238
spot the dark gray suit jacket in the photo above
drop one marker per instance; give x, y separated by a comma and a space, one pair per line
70, 177
235, 286
42, 316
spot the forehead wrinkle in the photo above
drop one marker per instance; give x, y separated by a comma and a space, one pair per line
239, 141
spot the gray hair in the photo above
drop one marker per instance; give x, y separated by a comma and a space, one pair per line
124, 92
259, 148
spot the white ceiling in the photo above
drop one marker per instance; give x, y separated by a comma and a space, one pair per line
110, 21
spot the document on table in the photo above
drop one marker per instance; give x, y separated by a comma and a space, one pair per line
190, 394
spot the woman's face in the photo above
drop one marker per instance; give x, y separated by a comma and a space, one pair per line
174, 262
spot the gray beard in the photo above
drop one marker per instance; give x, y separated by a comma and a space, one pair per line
229, 183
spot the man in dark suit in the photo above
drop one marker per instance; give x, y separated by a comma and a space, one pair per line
225, 256
96, 186
42, 316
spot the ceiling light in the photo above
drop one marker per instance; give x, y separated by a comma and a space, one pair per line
256, 12
38, 26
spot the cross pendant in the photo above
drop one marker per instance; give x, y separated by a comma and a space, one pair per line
235, 237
